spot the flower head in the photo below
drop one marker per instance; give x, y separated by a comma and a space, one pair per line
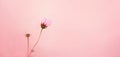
45, 23
27, 35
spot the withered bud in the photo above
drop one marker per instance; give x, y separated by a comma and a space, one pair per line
27, 35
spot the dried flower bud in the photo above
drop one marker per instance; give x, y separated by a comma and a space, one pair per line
27, 35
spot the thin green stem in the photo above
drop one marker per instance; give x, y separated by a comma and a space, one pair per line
28, 47
36, 42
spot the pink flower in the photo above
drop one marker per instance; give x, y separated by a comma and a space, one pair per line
45, 23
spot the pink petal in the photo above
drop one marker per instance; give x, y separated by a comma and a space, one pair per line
46, 21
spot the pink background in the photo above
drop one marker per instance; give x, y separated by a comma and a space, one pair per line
80, 28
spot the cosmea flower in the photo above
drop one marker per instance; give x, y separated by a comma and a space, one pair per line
45, 23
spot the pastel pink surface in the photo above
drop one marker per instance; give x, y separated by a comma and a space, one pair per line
80, 28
